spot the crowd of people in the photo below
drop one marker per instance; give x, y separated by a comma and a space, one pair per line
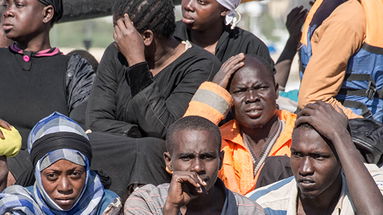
184, 117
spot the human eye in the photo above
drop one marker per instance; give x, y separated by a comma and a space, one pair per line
51, 176
239, 90
19, 4
319, 156
4, 4
207, 157
186, 157
76, 174
296, 154
202, 2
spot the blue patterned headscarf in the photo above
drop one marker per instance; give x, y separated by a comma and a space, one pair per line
34, 200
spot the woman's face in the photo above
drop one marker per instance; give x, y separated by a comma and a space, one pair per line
200, 15
22, 19
63, 181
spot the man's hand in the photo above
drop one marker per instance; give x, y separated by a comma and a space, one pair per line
129, 40
227, 69
328, 121
184, 186
294, 22
4, 125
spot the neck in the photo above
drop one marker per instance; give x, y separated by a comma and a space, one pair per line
165, 50
212, 202
38, 43
261, 134
324, 203
207, 37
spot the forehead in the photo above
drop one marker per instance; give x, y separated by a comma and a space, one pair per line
308, 140
251, 73
192, 140
63, 165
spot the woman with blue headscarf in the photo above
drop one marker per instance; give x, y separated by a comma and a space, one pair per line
61, 154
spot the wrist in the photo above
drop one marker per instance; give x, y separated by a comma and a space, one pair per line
342, 141
170, 209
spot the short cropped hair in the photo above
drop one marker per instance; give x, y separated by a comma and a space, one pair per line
191, 123
155, 15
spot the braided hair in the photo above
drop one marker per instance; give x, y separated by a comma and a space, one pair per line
154, 15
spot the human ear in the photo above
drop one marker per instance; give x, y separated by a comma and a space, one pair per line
225, 12
221, 154
168, 162
148, 37
48, 13
276, 91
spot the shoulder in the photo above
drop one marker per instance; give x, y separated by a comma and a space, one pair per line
288, 117
147, 198
199, 53
348, 15
377, 175
247, 206
246, 37
110, 203
181, 31
4, 51
274, 192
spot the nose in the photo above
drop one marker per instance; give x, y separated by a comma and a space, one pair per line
8, 11
251, 96
306, 167
198, 166
64, 186
188, 5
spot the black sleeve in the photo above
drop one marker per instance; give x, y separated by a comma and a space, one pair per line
155, 113
102, 107
79, 80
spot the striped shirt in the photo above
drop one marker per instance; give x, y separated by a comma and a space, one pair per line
151, 199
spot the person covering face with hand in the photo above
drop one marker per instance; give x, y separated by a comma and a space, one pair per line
194, 158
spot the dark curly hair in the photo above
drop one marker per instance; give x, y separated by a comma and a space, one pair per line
191, 123
154, 15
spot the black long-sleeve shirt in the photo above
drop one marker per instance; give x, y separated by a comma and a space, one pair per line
52, 83
131, 101
231, 42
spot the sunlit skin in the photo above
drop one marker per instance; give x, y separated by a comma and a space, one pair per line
195, 161
63, 181
254, 95
28, 23
200, 15
316, 169
196, 151
205, 20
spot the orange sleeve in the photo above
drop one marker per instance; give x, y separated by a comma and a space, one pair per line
210, 101
333, 43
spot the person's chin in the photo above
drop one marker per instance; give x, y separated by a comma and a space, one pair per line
309, 192
65, 203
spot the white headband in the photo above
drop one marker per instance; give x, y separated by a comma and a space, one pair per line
231, 18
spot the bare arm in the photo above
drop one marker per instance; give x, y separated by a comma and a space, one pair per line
294, 23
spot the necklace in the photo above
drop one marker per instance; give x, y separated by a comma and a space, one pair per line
257, 162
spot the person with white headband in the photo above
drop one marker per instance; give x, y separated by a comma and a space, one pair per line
212, 25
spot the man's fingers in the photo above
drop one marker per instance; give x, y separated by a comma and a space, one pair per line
5, 125
303, 119
128, 22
